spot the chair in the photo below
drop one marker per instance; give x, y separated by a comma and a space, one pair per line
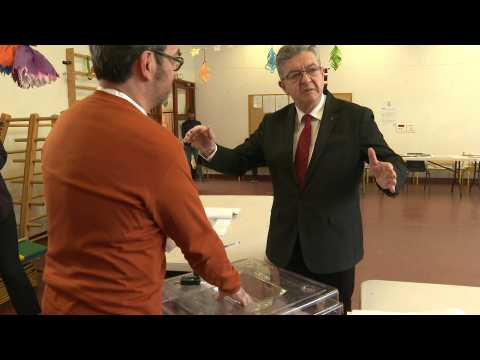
419, 166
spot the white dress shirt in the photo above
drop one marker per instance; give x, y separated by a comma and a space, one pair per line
316, 114
124, 96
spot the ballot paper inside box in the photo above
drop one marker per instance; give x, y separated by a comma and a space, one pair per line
274, 292
220, 219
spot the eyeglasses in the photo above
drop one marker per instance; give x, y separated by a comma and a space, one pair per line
298, 74
176, 60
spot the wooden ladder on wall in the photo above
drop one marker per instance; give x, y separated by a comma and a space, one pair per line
31, 176
72, 73
27, 200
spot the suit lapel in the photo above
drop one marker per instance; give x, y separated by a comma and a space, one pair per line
330, 114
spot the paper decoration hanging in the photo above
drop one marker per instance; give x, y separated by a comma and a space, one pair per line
271, 61
204, 70
7, 55
204, 73
194, 52
335, 57
28, 67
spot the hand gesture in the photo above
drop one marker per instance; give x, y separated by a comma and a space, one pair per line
240, 296
201, 138
384, 173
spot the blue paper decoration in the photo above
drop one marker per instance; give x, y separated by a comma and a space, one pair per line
271, 61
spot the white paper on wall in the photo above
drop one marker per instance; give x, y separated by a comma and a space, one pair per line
280, 102
268, 104
257, 102
388, 115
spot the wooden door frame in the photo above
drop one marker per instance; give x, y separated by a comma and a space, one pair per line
189, 88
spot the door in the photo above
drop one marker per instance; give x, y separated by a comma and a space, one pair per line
183, 103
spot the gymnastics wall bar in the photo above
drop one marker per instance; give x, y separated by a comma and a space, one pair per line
29, 178
72, 74
3, 127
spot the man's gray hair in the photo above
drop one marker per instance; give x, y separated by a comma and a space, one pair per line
287, 52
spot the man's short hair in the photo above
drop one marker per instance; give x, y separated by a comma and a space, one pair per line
114, 62
287, 52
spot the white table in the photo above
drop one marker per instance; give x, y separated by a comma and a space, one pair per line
250, 228
476, 160
456, 160
397, 296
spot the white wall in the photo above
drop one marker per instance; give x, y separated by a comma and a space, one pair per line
187, 72
222, 102
434, 87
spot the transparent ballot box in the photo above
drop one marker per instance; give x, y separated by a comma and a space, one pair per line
274, 292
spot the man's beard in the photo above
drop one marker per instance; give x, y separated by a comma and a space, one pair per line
161, 98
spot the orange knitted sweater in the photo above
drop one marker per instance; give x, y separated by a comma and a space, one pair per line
116, 185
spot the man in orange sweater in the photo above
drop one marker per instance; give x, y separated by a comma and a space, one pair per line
116, 186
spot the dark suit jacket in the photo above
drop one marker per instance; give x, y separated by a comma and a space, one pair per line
325, 216
5, 198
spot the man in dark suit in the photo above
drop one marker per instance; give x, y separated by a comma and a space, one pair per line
315, 150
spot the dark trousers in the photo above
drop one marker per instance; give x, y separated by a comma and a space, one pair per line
190, 153
344, 281
19, 288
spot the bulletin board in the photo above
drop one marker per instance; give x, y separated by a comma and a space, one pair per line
343, 96
261, 104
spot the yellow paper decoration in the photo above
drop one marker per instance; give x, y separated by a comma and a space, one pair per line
194, 51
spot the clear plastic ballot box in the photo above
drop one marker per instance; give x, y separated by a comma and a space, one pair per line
274, 292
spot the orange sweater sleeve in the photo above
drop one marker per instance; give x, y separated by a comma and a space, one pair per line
177, 209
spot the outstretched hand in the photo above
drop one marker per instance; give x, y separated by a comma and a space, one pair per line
384, 173
201, 137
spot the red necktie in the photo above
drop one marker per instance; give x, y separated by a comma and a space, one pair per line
303, 150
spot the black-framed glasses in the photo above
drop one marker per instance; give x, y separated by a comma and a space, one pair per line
176, 60
296, 75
